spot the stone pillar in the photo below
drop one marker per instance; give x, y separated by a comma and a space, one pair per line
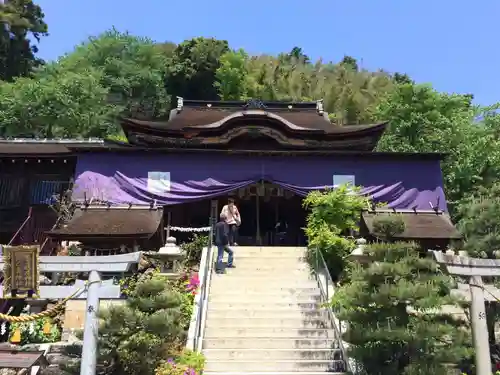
479, 326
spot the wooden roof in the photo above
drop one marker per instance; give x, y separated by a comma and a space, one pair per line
113, 222
21, 359
217, 123
21, 149
418, 225
40, 149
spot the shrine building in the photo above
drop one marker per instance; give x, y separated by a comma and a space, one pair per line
174, 171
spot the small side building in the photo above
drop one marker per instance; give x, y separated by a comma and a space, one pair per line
110, 230
432, 229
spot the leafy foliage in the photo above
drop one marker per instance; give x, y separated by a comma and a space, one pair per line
394, 309
33, 332
187, 363
480, 224
194, 248
19, 20
333, 214
192, 68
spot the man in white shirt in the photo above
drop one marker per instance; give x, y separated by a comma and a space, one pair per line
233, 219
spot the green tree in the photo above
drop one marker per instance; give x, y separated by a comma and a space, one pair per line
480, 227
191, 71
295, 56
136, 337
231, 76
394, 307
62, 104
133, 70
424, 120
350, 62
19, 19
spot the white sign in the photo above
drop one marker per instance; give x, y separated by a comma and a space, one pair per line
343, 179
158, 182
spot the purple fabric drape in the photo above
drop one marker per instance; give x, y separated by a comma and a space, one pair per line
124, 178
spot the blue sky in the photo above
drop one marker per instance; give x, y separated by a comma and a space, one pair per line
451, 44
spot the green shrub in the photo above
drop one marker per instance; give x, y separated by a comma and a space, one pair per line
333, 214
187, 363
394, 309
194, 248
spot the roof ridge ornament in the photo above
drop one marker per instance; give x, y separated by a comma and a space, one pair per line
180, 104
254, 104
319, 107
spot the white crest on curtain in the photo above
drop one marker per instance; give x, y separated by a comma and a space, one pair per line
343, 179
158, 182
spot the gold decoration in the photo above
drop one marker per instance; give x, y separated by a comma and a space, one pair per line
46, 327
16, 337
21, 270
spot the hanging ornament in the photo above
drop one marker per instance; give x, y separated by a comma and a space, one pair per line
31, 328
47, 327
16, 336
3, 328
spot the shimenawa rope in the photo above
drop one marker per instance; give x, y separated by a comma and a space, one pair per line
43, 314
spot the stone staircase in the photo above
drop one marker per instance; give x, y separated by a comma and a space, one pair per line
265, 316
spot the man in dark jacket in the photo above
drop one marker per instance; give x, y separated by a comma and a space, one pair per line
222, 242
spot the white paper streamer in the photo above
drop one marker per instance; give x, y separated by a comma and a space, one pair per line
188, 229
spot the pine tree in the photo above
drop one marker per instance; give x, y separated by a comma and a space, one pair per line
394, 309
135, 337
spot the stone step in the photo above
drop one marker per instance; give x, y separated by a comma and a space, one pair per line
270, 249
270, 258
219, 283
263, 298
237, 292
270, 373
272, 280
265, 313
268, 343
269, 267
300, 322
261, 277
271, 365
265, 253
267, 272
259, 305
271, 354
269, 332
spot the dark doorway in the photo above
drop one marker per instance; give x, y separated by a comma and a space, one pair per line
270, 215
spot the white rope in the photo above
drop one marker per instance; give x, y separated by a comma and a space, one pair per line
188, 229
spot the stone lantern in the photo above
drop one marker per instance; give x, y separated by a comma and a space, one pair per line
168, 254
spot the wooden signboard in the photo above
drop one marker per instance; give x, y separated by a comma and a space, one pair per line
21, 269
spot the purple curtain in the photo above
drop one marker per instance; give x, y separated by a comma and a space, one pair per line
124, 178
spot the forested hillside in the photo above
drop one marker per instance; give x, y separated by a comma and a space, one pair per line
82, 93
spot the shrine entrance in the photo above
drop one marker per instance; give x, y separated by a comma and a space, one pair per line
270, 215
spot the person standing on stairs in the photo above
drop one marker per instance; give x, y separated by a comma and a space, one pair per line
222, 241
233, 218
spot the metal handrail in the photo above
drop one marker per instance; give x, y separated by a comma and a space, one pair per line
204, 290
319, 260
